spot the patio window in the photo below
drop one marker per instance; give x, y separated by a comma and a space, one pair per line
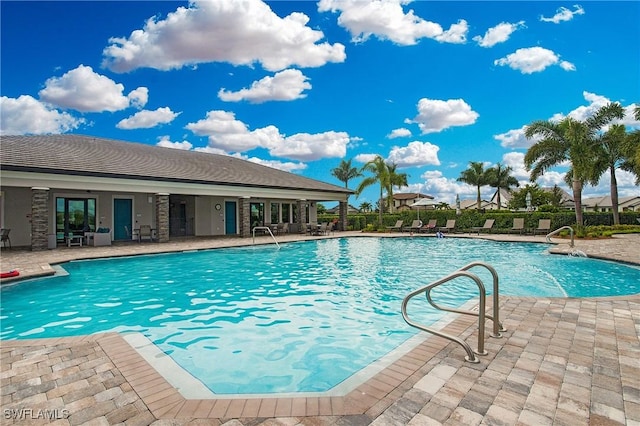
74, 216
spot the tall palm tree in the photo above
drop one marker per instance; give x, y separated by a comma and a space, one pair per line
345, 172
380, 171
631, 150
500, 177
475, 175
610, 156
395, 179
568, 140
365, 207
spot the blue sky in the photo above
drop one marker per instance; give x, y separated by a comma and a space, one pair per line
301, 85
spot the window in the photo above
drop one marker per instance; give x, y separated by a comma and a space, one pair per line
75, 216
257, 214
286, 213
275, 212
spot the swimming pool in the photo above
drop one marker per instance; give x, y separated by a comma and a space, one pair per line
299, 319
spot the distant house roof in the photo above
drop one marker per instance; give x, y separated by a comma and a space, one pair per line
605, 202
410, 196
350, 209
91, 156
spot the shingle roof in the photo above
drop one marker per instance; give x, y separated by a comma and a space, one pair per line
93, 156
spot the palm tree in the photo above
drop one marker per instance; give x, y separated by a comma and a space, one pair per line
610, 156
475, 175
631, 150
500, 177
568, 140
380, 171
365, 207
395, 179
345, 172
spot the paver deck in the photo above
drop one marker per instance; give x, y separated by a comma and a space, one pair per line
562, 361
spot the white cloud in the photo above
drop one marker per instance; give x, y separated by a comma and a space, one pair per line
286, 85
241, 33
227, 133
515, 160
436, 115
399, 133
28, 116
139, 97
563, 14
515, 138
365, 158
165, 142
533, 59
146, 119
414, 154
386, 20
284, 166
84, 90
498, 34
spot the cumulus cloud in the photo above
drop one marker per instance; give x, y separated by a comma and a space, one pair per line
563, 14
284, 166
515, 138
365, 158
139, 97
435, 115
533, 59
286, 85
241, 33
28, 116
84, 90
386, 20
399, 133
414, 154
146, 119
498, 34
229, 134
165, 142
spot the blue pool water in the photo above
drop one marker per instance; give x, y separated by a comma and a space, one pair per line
299, 319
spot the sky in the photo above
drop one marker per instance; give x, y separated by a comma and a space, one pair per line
302, 85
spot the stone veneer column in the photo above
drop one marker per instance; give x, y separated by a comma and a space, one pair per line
162, 217
39, 218
302, 216
342, 212
245, 216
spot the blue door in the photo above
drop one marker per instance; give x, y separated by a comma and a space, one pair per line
122, 213
230, 218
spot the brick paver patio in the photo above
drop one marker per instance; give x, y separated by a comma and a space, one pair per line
561, 361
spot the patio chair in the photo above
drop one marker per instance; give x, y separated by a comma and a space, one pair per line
430, 227
397, 226
544, 226
416, 225
145, 233
5, 237
488, 224
323, 228
518, 225
449, 227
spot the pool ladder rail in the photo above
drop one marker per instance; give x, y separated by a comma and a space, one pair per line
481, 314
264, 228
557, 231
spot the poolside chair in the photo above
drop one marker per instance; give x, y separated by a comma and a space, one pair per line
416, 225
488, 224
430, 227
544, 226
323, 228
397, 226
145, 233
518, 225
5, 237
449, 227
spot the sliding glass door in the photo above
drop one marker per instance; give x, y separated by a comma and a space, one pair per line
74, 216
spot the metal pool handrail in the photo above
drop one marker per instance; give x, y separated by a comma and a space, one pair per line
497, 325
557, 231
471, 355
267, 229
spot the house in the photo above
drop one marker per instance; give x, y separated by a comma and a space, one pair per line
472, 204
604, 204
350, 209
58, 186
403, 201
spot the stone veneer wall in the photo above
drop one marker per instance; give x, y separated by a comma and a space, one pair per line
162, 217
342, 212
39, 218
245, 217
302, 216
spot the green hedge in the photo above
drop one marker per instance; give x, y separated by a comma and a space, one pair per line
470, 218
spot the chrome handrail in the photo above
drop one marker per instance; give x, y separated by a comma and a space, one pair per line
267, 229
497, 325
548, 237
471, 356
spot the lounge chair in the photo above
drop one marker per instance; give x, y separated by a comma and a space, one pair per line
416, 225
449, 227
488, 224
544, 226
430, 227
5, 237
397, 226
518, 225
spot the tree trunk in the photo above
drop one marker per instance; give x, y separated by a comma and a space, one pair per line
479, 201
614, 196
577, 199
499, 200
